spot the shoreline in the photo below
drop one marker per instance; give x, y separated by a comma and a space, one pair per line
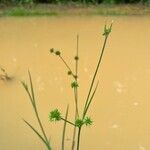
75, 10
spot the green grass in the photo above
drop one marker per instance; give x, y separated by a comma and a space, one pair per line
21, 11
78, 10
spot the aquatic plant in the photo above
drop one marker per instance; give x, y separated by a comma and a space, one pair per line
80, 120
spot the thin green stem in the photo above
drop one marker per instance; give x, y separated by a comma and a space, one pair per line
78, 139
68, 121
27, 90
67, 65
77, 55
76, 73
76, 92
42, 129
73, 139
32, 89
91, 86
90, 100
32, 98
64, 130
76, 101
39, 135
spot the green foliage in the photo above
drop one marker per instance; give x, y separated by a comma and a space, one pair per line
24, 1
74, 1
17, 12
17, 1
22, 11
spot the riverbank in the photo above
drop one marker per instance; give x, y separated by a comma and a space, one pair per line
67, 10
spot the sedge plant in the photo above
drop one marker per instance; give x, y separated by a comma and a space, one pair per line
80, 120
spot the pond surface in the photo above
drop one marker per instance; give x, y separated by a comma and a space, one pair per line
121, 107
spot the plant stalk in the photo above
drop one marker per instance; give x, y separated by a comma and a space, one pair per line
98, 64
36, 112
76, 93
78, 138
68, 121
67, 65
42, 129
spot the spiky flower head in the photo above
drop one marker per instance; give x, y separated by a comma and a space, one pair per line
107, 30
74, 84
55, 115
79, 122
88, 121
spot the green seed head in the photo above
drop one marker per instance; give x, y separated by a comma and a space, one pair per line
107, 30
79, 122
88, 121
55, 115
74, 84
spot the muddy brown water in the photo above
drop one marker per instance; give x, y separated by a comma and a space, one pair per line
121, 107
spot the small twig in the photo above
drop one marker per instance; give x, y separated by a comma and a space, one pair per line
68, 121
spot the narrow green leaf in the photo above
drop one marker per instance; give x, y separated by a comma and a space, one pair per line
32, 90
35, 131
27, 90
88, 104
64, 129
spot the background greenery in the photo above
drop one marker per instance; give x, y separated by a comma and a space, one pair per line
74, 1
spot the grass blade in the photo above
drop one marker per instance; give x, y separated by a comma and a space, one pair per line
32, 91
35, 131
88, 104
95, 73
64, 129
27, 90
